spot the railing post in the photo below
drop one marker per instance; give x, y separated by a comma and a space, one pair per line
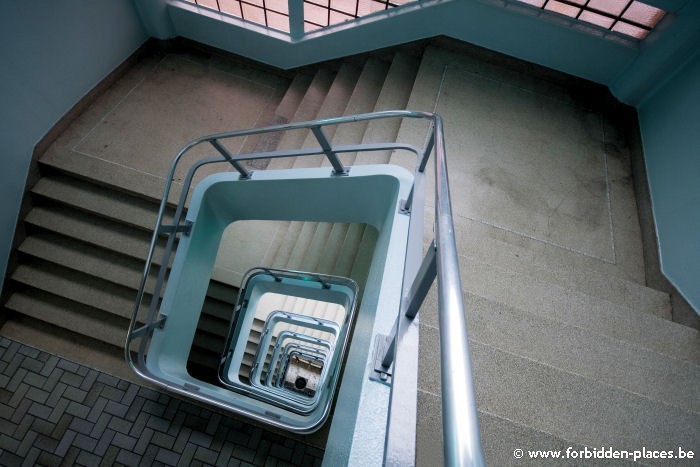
227, 155
421, 284
413, 301
338, 168
428, 149
296, 19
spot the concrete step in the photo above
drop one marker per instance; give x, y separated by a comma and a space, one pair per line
570, 307
394, 95
302, 245
94, 230
308, 110
281, 228
224, 294
284, 113
291, 102
601, 358
500, 438
79, 287
350, 246
574, 407
286, 248
284, 96
68, 314
486, 244
333, 105
423, 97
362, 259
363, 99
318, 247
332, 253
101, 283
213, 310
116, 268
98, 200
108, 174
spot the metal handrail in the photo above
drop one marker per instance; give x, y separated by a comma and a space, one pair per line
462, 444
460, 422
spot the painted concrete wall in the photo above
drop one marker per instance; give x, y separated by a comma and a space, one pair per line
670, 126
51, 54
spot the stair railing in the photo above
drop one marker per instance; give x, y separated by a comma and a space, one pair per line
461, 438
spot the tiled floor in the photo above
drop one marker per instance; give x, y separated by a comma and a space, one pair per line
56, 412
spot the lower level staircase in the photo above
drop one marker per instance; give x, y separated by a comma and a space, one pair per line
569, 350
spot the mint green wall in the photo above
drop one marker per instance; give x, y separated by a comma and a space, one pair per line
51, 54
670, 126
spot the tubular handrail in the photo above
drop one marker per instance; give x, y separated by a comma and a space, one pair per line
462, 444
460, 422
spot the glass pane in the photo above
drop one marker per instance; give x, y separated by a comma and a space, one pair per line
253, 13
232, 7
562, 8
643, 14
346, 6
278, 21
595, 18
315, 14
208, 3
339, 17
613, 7
280, 6
308, 27
630, 30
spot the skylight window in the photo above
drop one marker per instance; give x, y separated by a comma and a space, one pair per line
317, 13
628, 17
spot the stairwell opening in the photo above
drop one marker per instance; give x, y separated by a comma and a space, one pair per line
295, 245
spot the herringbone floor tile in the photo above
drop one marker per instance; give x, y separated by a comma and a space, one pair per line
56, 412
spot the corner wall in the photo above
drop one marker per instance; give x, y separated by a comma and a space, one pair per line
52, 54
669, 123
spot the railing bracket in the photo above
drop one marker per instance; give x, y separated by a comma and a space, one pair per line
381, 373
404, 207
146, 328
185, 228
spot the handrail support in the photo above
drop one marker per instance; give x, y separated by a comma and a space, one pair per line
421, 284
245, 174
185, 228
385, 345
338, 168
